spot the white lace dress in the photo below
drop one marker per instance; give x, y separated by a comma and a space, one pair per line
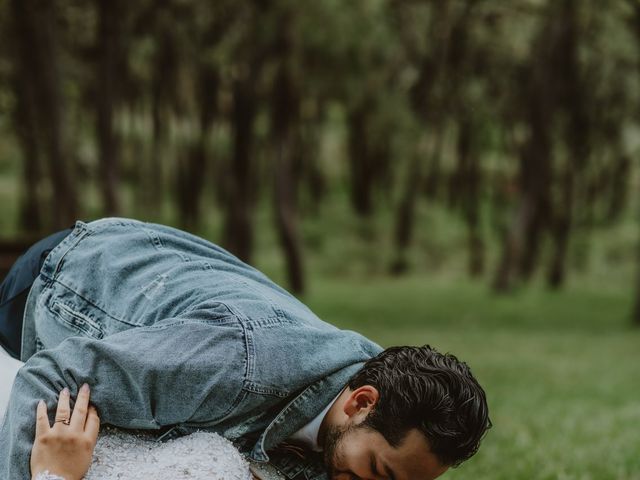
125, 455
200, 456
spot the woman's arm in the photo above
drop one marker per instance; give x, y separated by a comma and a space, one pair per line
144, 378
66, 449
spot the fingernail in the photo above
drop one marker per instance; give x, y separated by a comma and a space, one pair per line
85, 388
65, 391
41, 402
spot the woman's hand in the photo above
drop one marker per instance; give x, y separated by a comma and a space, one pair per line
66, 449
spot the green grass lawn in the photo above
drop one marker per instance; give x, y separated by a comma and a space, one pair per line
561, 369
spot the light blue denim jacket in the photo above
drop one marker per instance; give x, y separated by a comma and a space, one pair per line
176, 334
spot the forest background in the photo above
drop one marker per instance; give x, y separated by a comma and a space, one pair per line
458, 173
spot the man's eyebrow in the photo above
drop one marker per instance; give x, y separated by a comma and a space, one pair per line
388, 471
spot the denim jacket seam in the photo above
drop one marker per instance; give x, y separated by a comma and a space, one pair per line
278, 312
177, 321
223, 416
159, 245
256, 321
270, 321
247, 331
198, 306
103, 223
183, 321
155, 239
253, 387
219, 320
82, 234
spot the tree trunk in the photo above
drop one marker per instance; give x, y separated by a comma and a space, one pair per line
636, 310
361, 168
313, 176
466, 184
405, 214
531, 243
238, 231
25, 122
560, 232
577, 135
110, 51
37, 36
619, 187
163, 90
512, 246
192, 176
285, 108
519, 249
286, 218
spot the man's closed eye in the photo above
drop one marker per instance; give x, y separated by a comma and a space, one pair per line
374, 469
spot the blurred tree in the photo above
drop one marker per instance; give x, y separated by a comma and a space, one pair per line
633, 21
25, 118
164, 87
285, 106
249, 57
41, 106
212, 24
111, 61
556, 149
466, 66
424, 30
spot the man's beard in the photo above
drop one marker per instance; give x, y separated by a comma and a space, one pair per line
334, 437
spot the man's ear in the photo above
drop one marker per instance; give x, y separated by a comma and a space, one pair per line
361, 401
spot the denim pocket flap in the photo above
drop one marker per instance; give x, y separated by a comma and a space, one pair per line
78, 321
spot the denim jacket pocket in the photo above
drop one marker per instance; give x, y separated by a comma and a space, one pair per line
75, 320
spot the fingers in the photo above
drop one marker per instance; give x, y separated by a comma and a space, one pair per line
42, 419
92, 427
64, 410
84, 418
65, 449
80, 408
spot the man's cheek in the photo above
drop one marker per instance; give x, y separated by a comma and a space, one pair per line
339, 464
342, 476
347, 459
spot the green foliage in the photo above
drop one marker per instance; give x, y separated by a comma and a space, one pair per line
560, 369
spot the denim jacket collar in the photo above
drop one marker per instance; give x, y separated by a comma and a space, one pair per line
301, 409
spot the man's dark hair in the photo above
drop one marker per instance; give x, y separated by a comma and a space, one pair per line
430, 391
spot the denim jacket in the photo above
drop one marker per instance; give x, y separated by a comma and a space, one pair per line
175, 334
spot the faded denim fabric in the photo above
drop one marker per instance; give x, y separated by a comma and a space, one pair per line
176, 334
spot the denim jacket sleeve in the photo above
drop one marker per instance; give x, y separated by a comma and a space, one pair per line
165, 382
